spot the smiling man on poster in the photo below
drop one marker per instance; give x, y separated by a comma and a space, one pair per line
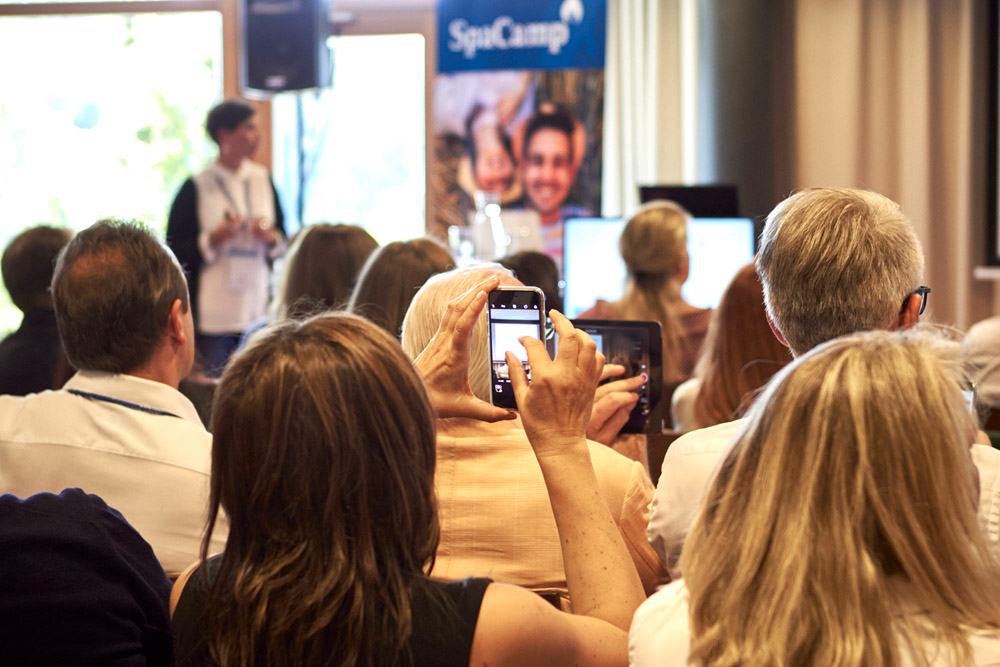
557, 48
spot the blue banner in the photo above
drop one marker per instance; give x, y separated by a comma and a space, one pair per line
521, 34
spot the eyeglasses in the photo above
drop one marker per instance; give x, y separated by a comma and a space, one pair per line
923, 292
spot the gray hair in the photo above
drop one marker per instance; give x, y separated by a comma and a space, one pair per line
424, 316
836, 261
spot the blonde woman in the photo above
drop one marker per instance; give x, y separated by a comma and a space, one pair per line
654, 248
842, 527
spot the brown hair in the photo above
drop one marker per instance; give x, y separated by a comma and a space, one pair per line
28, 263
740, 353
320, 269
113, 288
323, 459
391, 277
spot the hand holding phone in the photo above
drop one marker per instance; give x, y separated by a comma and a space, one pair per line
444, 363
514, 312
557, 406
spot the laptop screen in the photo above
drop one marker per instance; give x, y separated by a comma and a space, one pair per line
593, 268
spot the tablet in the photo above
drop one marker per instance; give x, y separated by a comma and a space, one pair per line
636, 346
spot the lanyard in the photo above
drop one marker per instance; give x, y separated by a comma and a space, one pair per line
126, 404
229, 196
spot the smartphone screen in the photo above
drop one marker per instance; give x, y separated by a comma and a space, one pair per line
514, 312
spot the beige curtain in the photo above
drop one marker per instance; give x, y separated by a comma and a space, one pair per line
642, 101
884, 99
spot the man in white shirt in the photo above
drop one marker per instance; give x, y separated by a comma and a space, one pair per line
119, 428
832, 262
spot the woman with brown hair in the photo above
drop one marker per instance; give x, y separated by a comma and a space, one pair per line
654, 248
391, 277
321, 268
842, 527
740, 355
323, 460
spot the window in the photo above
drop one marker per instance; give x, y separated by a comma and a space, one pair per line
96, 122
362, 155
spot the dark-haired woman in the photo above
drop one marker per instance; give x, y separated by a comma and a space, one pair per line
324, 459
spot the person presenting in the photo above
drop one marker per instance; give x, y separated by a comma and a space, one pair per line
226, 226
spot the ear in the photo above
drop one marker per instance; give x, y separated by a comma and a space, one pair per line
683, 270
911, 313
774, 330
175, 324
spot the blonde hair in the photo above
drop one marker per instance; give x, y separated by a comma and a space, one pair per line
853, 473
424, 316
653, 246
836, 261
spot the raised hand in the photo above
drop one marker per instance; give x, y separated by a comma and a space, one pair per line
556, 406
444, 363
613, 404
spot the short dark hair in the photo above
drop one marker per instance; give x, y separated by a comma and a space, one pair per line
28, 263
113, 288
559, 120
228, 114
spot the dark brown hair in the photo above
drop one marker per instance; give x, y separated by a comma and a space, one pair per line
28, 262
323, 460
113, 288
740, 354
391, 277
228, 115
537, 269
322, 264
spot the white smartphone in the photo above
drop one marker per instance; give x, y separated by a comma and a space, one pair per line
514, 312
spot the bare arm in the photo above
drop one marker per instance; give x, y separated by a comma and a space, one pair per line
555, 407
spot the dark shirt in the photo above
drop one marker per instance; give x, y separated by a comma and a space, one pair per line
29, 357
78, 585
444, 620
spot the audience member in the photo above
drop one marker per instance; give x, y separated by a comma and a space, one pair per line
321, 269
318, 272
119, 428
391, 277
654, 248
31, 358
317, 416
832, 262
493, 508
80, 585
982, 356
537, 269
851, 494
226, 226
739, 356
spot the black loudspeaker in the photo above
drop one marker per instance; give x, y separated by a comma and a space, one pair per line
284, 45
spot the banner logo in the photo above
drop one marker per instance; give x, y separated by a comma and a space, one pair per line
521, 34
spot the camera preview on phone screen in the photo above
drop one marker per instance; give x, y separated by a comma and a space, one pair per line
513, 313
